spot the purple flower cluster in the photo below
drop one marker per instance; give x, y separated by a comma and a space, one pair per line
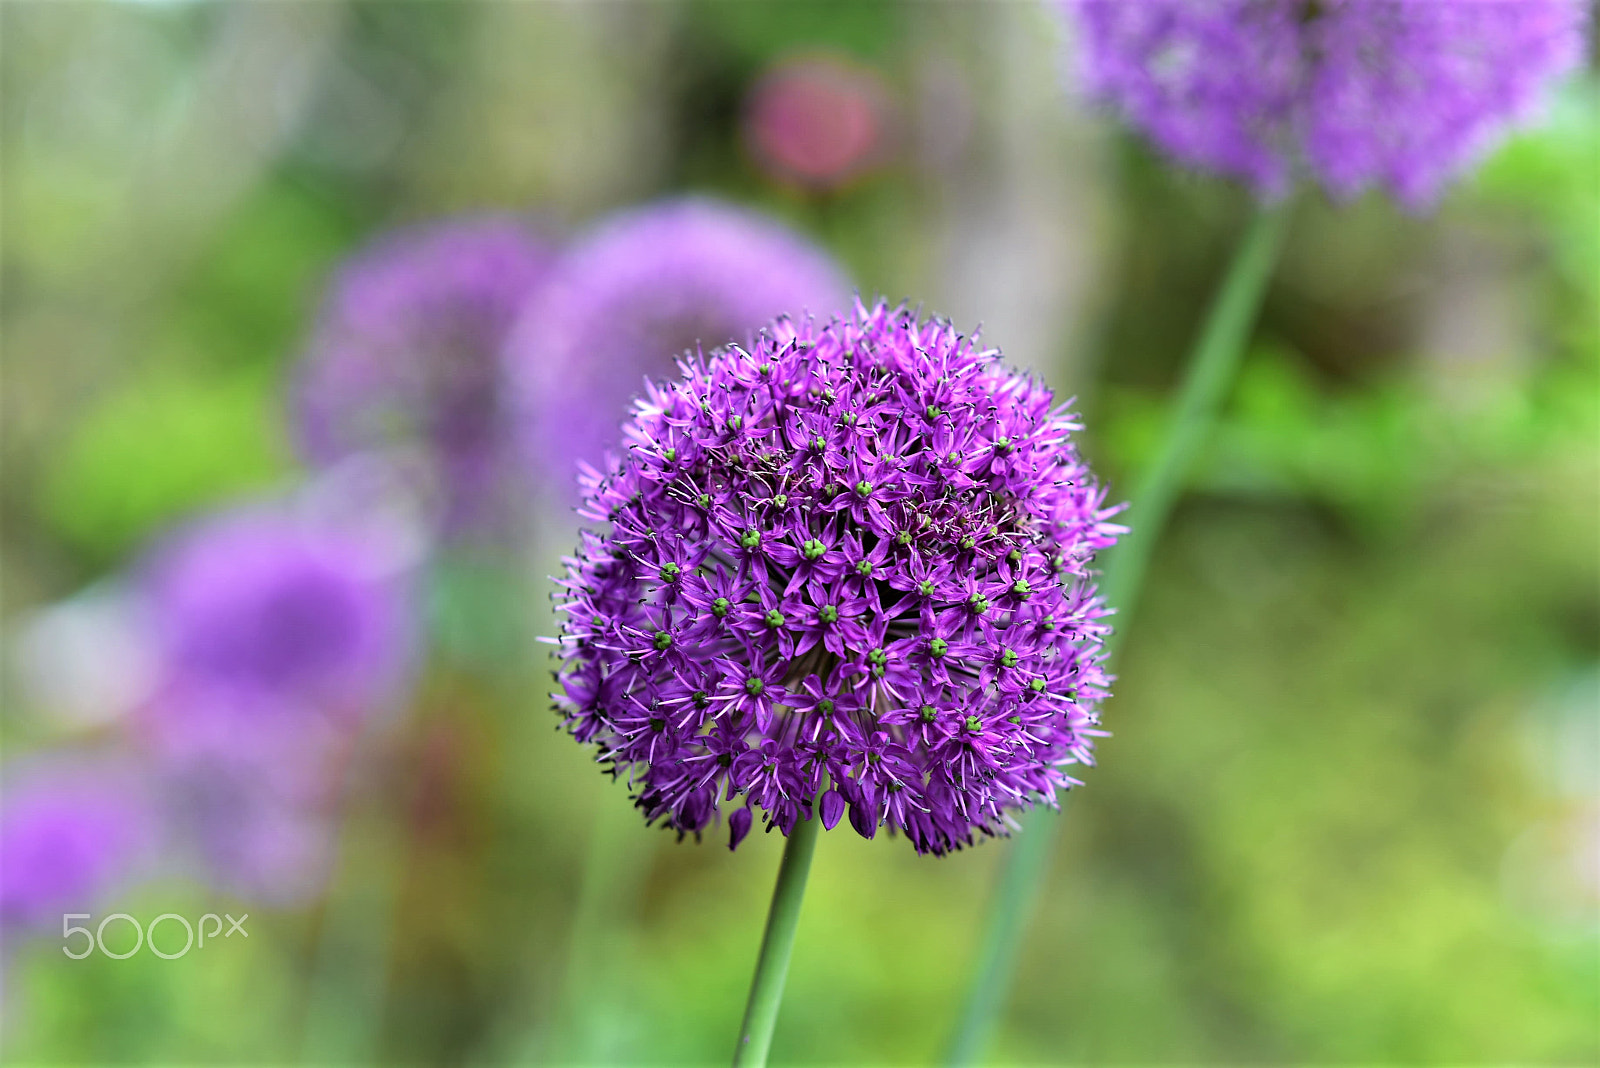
847, 567
278, 639
407, 353
259, 608
646, 285
70, 830
1398, 94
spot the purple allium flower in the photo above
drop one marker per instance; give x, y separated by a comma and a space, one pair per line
848, 567
407, 353
70, 831
260, 612
1399, 94
278, 639
644, 287
259, 823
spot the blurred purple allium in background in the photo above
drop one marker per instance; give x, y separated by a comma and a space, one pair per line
279, 639
857, 554
261, 609
642, 288
71, 830
1396, 94
261, 823
407, 354
817, 121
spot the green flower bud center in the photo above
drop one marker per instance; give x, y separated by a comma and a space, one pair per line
928, 713
720, 606
974, 724
878, 657
750, 539
781, 500
828, 613
670, 571
658, 725
1021, 588
978, 603
1037, 686
863, 488
968, 543
933, 411
704, 500
754, 687
825, 706
903, 538
938, 647
1002, 445
1008, 658
775, 619
925, 587
663, 640
813, 549
671, 454
701, 699
864, 568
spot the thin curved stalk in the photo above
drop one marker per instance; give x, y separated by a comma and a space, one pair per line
1213, 363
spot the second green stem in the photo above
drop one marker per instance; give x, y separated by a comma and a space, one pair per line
1212, 365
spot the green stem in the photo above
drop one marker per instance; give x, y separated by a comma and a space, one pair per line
772, 967
1212, 365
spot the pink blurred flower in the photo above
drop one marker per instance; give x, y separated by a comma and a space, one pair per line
818, 121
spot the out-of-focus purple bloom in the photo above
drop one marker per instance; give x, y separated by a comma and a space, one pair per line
71, 830
407, 354
817, 121
1396, 94
851, 560
279, 638
259, 610
644, 287
258, 824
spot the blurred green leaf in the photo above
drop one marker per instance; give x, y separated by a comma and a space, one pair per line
156, 450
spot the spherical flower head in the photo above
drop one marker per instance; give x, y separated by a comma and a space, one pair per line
407, 354
260, 615
847, 568
644, 287
817, 121
1395, 94
70, 831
